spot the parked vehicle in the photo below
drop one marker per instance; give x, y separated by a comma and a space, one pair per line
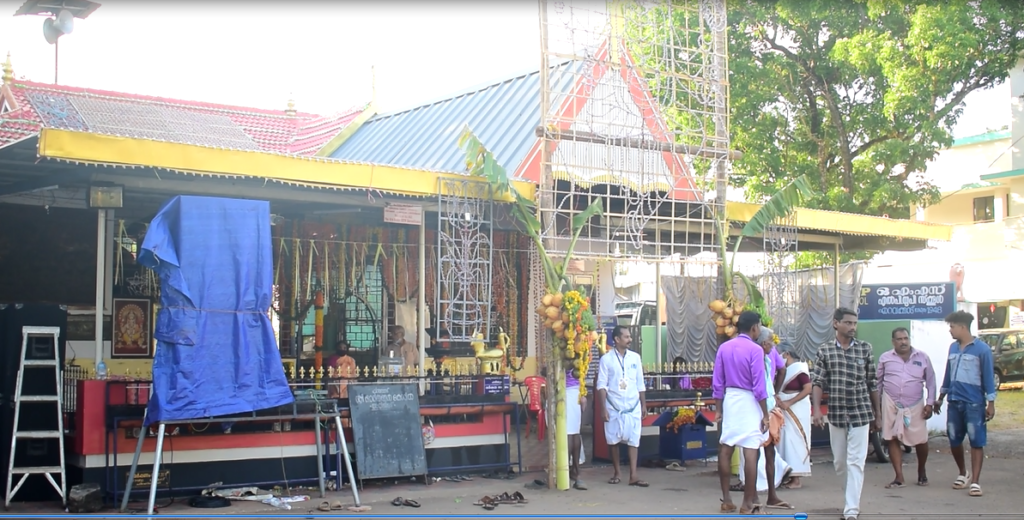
1007, 353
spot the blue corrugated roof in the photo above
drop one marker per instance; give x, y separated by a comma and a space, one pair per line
503, 114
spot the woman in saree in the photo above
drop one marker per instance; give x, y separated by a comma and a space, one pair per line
795, 446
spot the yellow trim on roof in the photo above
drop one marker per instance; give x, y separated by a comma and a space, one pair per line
97, 148
849, 223
349, 130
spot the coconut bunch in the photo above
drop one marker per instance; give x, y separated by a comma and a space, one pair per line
725, 314
573, 329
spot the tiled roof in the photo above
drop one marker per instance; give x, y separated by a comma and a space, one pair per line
39, 105
503, 114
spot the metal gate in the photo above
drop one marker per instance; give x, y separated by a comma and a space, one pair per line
464, 242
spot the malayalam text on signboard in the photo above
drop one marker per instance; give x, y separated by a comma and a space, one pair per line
908, 301
409, 214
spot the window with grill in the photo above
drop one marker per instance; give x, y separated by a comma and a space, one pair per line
366, 310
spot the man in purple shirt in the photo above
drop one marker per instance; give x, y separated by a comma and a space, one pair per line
904, 374
739, 386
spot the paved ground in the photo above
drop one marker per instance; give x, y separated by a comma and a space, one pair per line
693, 492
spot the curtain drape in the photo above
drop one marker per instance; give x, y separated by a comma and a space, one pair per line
811, 302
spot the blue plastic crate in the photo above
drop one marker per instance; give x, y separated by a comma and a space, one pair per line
689, 443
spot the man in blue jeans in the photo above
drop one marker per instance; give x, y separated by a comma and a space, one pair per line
971, 387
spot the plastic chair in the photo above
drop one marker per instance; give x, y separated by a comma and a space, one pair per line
535, 404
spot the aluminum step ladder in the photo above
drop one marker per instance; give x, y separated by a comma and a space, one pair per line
28, 336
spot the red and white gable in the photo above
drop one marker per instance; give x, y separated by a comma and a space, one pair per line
594, 106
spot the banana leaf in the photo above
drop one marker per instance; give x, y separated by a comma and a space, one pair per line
779, 206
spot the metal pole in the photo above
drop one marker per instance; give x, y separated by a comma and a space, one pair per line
135, 460
157, 455
421, 317
319, 456
101, 254
658, 309
56, 55
348, 461
835, 275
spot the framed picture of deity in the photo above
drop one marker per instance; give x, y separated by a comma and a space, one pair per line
133, 332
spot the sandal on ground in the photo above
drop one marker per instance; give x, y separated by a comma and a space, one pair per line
736, 487
894, 485
975, 490
325, 506
780, 505
754, 510
506, 498
639, 483
962, 481
790, 485
614, 480
487, 503
519, 498
923, 481
337, 505
675, 466
727, 508
397, 502
410, 503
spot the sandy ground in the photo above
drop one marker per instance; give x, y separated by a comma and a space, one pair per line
693, 492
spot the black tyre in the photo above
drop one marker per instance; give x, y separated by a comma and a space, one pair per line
998, 378
880, 448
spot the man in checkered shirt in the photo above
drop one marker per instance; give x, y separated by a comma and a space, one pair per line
846, 367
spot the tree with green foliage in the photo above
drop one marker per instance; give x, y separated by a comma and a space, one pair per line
859, 95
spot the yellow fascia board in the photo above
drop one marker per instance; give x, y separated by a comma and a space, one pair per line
849, 223
348, 131
108, 149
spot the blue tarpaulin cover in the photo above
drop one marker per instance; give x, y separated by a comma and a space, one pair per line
215, 348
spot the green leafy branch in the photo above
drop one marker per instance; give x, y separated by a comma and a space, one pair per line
779, 206
480, 162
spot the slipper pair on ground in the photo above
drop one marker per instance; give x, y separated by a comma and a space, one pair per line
457, 478
755, 509
499, 475
787, 479
543, 484
962, 481
338, 506
895, 484
491, 502
399, 502
635, 483
675, 466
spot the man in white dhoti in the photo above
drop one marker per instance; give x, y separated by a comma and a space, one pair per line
772, 470
620, 390
739, 385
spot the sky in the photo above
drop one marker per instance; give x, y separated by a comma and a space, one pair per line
327, 56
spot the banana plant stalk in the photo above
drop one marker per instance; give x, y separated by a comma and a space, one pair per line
779, 206
480, 162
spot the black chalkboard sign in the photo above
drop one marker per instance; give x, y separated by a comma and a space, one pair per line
388, 430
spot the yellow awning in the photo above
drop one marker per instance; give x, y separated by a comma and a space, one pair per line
849, 223
314, 172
